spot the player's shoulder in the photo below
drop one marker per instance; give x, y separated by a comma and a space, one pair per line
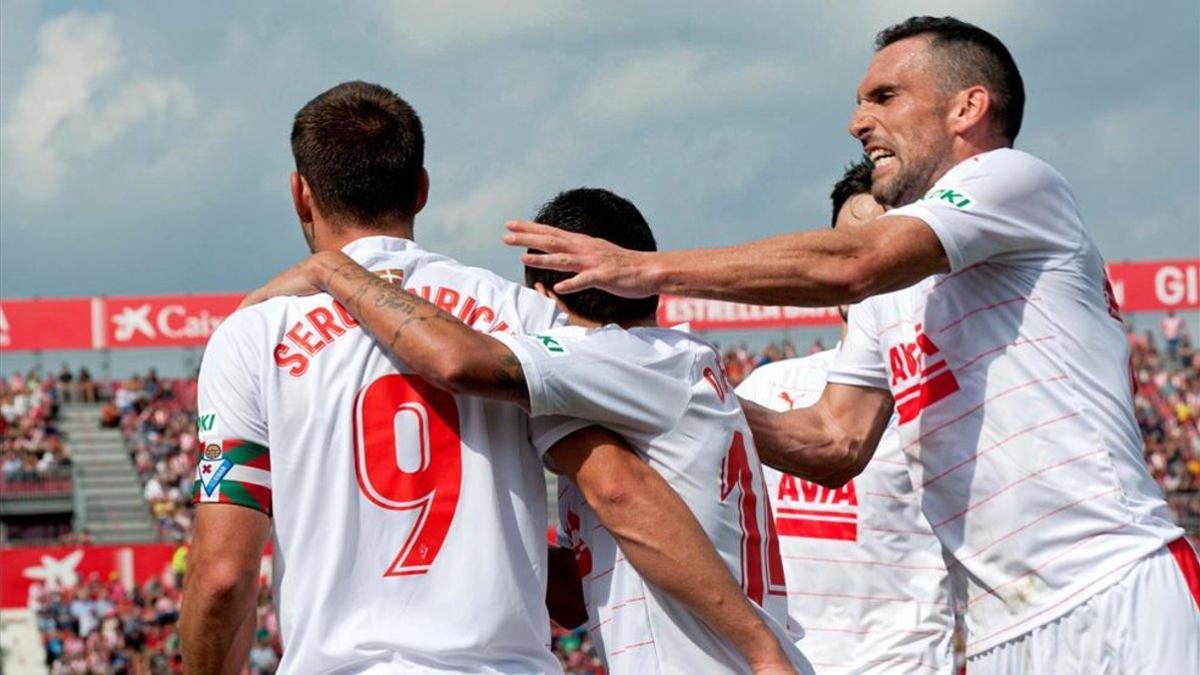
643, 345
787, 372
444, 267
1020, 170
247, 324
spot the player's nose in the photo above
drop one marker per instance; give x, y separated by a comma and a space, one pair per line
861, 124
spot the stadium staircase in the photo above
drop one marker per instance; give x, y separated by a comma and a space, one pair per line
108, 494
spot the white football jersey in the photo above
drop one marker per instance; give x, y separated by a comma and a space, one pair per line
665, 392
409, 524
865, 573
1012, 387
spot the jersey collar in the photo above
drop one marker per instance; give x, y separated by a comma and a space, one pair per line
366, 248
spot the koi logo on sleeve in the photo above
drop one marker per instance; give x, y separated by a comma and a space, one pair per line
916, 385
206, 422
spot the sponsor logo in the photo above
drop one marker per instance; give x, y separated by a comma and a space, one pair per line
206, 422
550, 344
56, 573
212, 451
920, 376
804, 509
169, 321
956, 198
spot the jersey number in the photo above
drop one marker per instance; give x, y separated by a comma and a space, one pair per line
757, 546
408, 455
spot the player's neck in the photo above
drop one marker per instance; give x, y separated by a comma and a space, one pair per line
335, 237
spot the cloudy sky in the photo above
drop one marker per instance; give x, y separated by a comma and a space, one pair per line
144, 144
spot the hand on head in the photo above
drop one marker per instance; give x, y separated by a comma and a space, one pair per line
597, 263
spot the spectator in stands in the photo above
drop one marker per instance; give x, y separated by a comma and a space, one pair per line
1173, 330
85, 387
66, 392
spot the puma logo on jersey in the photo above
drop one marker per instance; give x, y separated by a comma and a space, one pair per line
915, 384
805, 509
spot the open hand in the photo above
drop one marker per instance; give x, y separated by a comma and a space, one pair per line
597, 263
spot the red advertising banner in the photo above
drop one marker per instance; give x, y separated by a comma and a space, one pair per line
1156, 285
164, 321
719, 315
45, 324
66, 566
189, 320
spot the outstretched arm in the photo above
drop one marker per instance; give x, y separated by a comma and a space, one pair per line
661, 538
816, 268
827, 443
441, 349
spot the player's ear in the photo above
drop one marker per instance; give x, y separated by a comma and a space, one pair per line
543, 291
547, 293
422, 192
970, 108
301, 197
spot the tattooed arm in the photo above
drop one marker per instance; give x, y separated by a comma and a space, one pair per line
441, 349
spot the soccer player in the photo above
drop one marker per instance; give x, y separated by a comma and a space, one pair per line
409, 523
865, 573
1001, 350
663, 391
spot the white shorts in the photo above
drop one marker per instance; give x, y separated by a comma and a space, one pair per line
1148, 622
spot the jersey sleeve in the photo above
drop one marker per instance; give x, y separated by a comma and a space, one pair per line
1011, 208
751, 388
860, 360
547, 430
234, 465
602, 378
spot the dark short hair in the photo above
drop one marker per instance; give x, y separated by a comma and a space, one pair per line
855, 180
972, 56
602, 214
361, 149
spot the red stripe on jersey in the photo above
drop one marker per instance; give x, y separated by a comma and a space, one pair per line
932, 390
1189, 566
817, 529
788, 511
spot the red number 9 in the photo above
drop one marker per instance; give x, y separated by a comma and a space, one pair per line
402, 417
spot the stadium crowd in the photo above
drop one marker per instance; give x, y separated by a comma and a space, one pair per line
31, 448
99, 627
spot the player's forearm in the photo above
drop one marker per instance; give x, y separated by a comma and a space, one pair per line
819, 269
216, 607
439, 347
801, 442
661, 538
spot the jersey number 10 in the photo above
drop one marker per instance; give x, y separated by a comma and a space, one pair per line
408, 455
762, 565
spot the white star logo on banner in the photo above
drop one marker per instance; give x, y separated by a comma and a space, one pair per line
56, 573
131, 321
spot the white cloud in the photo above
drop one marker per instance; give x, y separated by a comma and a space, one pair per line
77, 99
678, 78
424, 27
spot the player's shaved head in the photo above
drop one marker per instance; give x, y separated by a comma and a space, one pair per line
604, 215
361, 149
966, 55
